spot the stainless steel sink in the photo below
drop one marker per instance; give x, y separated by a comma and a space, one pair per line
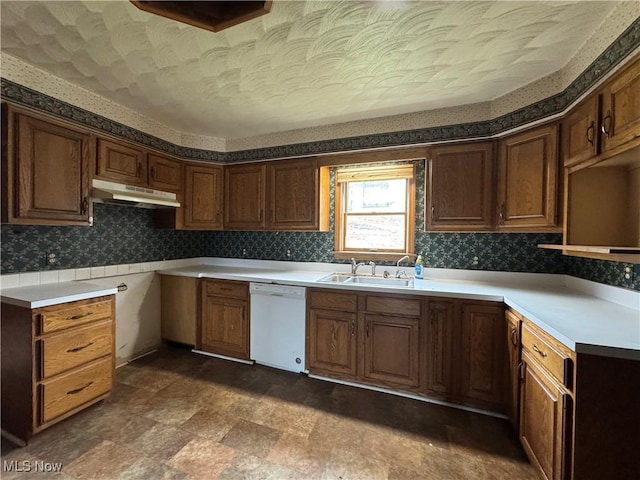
387, 282
348, 279
336, 278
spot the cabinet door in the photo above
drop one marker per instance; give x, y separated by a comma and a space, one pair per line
581, 139
121, 163
293, 195
441, 321
482, 354
512, 397
544, 421
460, 187
332, 342
202, 204
528, 179
51, 173
244, 196
164, 173
392, 350
621, 110
225, 326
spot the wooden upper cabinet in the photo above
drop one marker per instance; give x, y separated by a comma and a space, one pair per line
460, 187
244, 196
528, 179
621, 110
202, 201
164, 173
581, 140
121, 163
483, 355
46, 171
133, 165
294, 195
607, 122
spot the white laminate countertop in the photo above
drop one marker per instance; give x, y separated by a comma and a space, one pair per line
584, 323
53, 294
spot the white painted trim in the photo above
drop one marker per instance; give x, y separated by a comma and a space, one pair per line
223, 357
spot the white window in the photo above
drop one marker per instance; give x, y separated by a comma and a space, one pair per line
375, 211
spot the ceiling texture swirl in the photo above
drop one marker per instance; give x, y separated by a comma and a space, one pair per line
306, 63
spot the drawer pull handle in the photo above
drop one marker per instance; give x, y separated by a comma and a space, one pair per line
536, 349
77, 349
78, 390
514, 336
82, 315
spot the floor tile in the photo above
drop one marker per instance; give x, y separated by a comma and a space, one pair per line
105, 461
170, 411
151, 469
251, 438
210, 423
202, 458
160, 442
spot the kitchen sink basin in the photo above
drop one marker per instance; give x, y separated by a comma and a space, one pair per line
336, 278
348, 279
387, 282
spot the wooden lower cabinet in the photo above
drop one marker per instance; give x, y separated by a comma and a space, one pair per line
356, 336
224, 321
439, 345
179, 309
513, 326
545, 415
465, 354
56, 361
392, 350
332, 342
482, 355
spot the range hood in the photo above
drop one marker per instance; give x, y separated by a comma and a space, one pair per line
118, 193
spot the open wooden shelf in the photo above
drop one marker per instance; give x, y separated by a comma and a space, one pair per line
614, 253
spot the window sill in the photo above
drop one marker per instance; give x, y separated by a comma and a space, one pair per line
394, 256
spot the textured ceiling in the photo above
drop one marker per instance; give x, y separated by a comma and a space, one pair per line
307, 63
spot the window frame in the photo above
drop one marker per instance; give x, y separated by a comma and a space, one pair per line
389, 172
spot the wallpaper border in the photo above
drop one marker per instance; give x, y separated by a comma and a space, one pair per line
628, 41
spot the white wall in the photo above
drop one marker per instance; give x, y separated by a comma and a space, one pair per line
137, 314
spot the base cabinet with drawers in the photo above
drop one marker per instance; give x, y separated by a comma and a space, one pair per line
578, 415
56, 361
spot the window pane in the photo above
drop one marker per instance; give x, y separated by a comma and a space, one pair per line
377, 232
377, 196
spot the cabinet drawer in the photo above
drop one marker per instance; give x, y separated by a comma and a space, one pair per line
75, 347
66, 392
548, 354
228, 289
409, 306
333, 300
58, 317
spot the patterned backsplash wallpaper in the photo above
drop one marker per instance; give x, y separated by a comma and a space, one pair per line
127, 235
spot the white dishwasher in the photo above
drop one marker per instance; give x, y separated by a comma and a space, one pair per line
278, 325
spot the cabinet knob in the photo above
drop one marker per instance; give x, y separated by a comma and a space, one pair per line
606, 124
501, 214
433, 211
85, 206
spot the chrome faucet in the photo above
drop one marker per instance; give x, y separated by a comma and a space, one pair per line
398, 272
373, 267
354, 266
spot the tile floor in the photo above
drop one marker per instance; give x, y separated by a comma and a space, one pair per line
179, 415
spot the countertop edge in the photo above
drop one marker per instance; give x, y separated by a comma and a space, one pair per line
58, 300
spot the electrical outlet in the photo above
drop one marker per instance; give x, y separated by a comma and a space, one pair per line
244, 252
50, 258
629, 273
475, 261
288, 253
